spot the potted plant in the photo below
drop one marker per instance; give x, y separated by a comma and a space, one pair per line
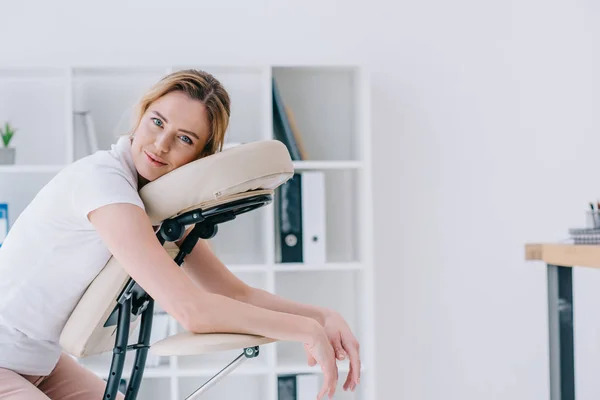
7, 154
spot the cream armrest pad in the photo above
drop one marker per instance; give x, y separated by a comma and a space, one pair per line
187, 343
263, 165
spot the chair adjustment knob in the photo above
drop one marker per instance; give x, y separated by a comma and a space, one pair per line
171, 230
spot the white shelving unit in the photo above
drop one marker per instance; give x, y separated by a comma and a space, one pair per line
331, 109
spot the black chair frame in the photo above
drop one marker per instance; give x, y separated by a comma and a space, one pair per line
134, 302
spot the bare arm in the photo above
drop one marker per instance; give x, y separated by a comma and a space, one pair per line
207, 271
128, 234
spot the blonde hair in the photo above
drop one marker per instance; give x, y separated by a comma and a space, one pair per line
198, 85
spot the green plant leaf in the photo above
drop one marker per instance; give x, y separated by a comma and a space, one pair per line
7, 134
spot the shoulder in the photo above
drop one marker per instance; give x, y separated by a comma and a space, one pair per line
115, 163
103, 178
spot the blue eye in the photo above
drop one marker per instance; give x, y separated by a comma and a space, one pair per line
187, 139
157, 122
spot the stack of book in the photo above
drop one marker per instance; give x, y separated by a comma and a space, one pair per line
585, 235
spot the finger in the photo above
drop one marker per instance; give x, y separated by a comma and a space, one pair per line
351, 347
330, 375
309, 357
332, 386
348, 379
334, 380
328, 380
340, 354
323, 391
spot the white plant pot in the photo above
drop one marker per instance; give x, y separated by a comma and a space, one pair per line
7, 155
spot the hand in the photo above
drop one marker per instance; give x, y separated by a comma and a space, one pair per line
320, 351
344, 344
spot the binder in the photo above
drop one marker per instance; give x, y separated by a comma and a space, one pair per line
286, 387
313, 217
288, 221
298, 387
3, 222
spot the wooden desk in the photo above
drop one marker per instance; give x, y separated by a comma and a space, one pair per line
559, 259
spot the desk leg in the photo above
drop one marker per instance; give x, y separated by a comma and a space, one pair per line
560, 307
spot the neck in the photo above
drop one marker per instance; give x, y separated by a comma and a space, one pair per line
141, 181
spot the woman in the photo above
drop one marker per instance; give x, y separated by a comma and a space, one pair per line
92, 210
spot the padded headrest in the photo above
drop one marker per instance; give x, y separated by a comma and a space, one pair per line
264, 164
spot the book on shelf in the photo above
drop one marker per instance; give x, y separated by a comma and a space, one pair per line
283, 129
3, 222
296, 133
297, 387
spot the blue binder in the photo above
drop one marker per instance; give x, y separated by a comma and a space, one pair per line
3, 222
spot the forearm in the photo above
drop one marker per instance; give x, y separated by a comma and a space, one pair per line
224, 314
264, 299
208, 272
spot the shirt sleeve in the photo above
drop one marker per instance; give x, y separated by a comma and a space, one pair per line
102, 185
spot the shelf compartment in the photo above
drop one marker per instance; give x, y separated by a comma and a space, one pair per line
342, 217
35, 103
241, 241
336, 290
322, 102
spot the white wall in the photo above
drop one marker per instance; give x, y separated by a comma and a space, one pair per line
486, 137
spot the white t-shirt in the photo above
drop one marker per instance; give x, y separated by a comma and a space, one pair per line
52, 253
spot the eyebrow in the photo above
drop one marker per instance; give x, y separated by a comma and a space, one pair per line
181, 130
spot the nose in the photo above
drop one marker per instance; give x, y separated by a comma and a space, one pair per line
163, 141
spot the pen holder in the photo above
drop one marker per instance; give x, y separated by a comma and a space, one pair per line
592, 219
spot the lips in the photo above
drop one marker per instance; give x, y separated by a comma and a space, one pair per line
154, 160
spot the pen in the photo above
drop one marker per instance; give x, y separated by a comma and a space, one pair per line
593, 215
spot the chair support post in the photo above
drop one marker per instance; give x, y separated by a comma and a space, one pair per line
141, 352
119, 351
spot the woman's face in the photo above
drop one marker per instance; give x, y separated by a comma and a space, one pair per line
172, 132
